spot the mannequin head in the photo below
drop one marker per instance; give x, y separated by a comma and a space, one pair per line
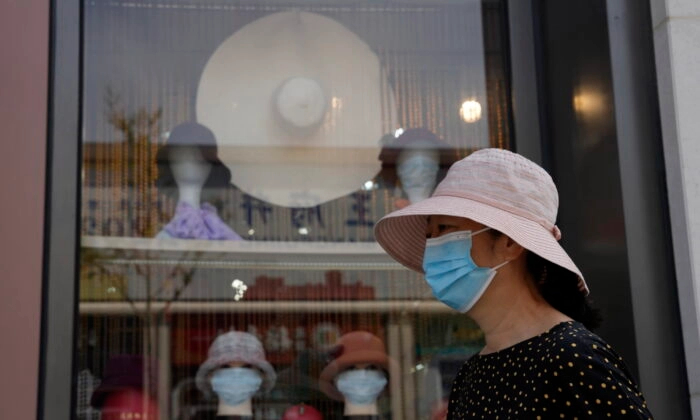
358, 374
235, 371
235, 384
414, 162
360, 385
188, 162
417, 168
188, 166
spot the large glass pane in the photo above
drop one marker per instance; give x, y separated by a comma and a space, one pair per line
236, 155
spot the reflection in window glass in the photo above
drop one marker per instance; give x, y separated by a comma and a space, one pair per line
236, 156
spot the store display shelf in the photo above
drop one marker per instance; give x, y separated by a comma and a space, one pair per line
238, 254
395, 306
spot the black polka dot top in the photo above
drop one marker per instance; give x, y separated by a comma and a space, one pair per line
567, 372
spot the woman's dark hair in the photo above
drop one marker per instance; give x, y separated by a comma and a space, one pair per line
559, 287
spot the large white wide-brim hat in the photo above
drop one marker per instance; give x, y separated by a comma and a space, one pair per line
497, 188
298, 104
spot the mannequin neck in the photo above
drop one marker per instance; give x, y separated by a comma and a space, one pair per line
360, 409
243, 409
190, 194
418, 194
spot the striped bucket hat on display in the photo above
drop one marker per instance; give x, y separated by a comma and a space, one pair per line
497, 188
235, 346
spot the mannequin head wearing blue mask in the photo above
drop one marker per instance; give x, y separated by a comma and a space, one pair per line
235, 384
235, 372
358, 374
361, 385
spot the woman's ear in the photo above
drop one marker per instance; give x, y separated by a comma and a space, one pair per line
508, 249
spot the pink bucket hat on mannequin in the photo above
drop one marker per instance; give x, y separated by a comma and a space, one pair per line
497, 188
355, 347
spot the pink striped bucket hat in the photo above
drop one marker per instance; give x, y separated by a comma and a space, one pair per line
495, 187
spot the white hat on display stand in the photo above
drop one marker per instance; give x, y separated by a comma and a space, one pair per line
298, 104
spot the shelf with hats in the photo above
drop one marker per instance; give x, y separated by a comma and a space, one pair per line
238, 254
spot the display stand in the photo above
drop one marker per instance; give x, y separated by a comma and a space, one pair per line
259, 255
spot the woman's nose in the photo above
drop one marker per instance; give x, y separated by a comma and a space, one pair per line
429, 231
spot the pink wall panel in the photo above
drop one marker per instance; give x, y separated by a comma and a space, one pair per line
24, 45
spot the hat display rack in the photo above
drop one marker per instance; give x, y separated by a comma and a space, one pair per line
144, 76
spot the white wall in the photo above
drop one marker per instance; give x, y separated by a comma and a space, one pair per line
677, 48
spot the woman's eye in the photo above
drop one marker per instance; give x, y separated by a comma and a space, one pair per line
439, 229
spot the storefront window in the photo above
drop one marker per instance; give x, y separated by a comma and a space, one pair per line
236, 156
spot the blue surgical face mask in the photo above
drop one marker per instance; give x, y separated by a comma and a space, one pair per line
418, 170
236, 385
361, 386
451, 272
418, 174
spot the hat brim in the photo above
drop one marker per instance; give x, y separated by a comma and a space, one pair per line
341, 363
210, 365
402, 233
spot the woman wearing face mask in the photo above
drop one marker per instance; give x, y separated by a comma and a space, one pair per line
488, 245
357, 375
236, 370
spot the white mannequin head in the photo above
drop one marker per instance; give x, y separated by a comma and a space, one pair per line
360, 386
245, 407
417, 168
190, 171
188, 164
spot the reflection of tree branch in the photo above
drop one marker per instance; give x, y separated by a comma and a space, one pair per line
186, 280
170, 276
138, 131
187, 276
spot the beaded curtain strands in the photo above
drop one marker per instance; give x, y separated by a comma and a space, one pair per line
143, 184
119, 172
146, 166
